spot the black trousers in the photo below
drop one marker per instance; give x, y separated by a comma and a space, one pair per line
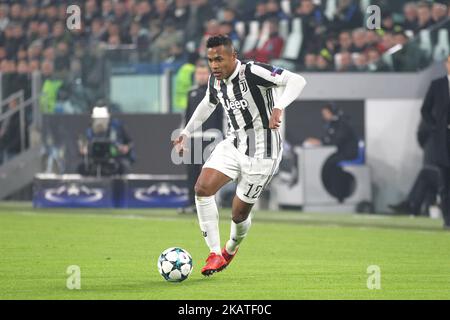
445, 194
426, 186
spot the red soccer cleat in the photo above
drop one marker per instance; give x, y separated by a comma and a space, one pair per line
214, 263
228, 257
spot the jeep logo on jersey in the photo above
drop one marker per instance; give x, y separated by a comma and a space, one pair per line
235, 104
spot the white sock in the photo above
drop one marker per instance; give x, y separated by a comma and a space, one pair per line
237, 234
208, 218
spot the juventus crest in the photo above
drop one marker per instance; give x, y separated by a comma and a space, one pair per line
243, 86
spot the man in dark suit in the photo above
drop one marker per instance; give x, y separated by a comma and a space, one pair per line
436, 112
428, 181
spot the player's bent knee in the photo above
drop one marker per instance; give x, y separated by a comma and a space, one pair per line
202, 190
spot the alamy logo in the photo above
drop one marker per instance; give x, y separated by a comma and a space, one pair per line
374, 278
235, 104
74, 279
73, 22
373, 21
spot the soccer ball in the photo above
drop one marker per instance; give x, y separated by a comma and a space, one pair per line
175, 264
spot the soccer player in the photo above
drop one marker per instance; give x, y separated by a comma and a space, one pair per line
251, 152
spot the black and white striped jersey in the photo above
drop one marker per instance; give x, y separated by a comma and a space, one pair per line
247, 97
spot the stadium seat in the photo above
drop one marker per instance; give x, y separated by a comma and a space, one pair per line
425, 42
387, 59
363, 187
337, 60
252, 37
311, 192
263, 35
364, 4
358, 169
294, 41
240, 29
330, 8
442, 49
284, 29
360, 160
286, 7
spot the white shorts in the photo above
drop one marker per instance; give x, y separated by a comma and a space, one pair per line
252, 175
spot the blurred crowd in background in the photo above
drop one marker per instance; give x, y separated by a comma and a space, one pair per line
34, 36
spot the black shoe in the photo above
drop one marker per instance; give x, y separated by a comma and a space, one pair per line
402, 207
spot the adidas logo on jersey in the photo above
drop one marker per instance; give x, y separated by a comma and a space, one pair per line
236, 104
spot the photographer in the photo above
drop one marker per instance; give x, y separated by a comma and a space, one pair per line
107, 148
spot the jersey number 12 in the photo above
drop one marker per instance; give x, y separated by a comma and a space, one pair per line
256, 192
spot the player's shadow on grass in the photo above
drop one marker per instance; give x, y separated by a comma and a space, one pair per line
149, 285
187, 282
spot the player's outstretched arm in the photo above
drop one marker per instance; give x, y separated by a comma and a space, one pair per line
200, 115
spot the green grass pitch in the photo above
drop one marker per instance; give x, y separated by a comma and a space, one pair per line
287, 255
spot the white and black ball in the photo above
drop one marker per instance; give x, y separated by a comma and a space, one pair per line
175, 264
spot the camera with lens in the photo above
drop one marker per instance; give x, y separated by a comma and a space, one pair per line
102, 155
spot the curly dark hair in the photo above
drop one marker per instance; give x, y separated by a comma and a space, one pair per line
219, 40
